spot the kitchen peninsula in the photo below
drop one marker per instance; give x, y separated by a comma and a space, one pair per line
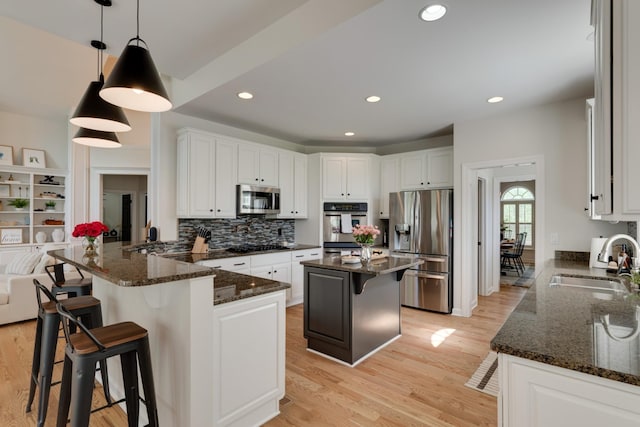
569, 354
205, 328
352, 310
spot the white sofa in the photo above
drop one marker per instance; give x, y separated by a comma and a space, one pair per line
17, 292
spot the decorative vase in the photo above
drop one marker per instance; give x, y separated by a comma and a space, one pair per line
90, 246
57, 235
41, 237
365, 252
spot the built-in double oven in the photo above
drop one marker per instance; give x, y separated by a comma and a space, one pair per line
338, 222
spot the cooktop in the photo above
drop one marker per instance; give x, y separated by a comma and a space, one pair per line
255, 248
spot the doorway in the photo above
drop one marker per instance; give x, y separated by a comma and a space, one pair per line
123, 205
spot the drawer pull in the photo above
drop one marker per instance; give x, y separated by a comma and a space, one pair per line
238, 264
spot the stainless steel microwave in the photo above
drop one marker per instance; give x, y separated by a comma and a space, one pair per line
252, 199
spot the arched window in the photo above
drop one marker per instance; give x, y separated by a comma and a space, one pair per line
518, 212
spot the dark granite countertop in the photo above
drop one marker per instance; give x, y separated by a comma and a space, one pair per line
223, 253
120, 265
563, 326
383, 265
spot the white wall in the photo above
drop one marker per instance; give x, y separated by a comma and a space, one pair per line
558, 134
21, 131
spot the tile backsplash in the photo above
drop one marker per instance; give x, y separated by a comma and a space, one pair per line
243, 230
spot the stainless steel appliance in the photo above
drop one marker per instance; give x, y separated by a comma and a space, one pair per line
252, 199
421, 223
338, 222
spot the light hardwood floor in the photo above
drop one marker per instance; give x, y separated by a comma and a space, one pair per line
418, 380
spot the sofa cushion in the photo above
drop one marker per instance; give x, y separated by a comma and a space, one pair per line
4, 293
23, 264
44, 261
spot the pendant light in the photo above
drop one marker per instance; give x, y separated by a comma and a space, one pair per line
96, 138
93, 112
134, 82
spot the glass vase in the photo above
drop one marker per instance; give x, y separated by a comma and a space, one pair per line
365, 252
90, 246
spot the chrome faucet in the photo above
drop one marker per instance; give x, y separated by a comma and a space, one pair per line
607, 246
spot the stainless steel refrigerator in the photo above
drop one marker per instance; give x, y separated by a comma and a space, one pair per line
421, 223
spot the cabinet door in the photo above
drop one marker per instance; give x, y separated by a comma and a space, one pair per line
265, 272
601, 18
182, 177
388, 183
412, 171
248, 164
334, 177
282, 272
357, 179
440, 168
287, 185
225, 184
300, 185
201, 175
268, 167
327, 306
626, 105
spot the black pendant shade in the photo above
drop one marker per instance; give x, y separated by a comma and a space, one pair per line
95, 113
96, 138
135, 83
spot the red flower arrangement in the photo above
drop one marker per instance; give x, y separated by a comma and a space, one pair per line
89, 229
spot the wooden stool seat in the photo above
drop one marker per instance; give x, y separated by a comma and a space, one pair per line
71, 304
109, 336
71, 287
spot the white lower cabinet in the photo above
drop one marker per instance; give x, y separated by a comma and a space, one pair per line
248, 360
297, 273
272, 266
534, 394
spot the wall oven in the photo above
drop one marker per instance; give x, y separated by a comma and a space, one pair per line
252, 199
338, 222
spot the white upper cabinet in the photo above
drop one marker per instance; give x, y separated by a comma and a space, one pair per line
205, 176
389, 170
616, 108
427, 169
257, 165
293, 185
345, 178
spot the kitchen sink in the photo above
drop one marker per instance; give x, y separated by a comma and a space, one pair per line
589, 283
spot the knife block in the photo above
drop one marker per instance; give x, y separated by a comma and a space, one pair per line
200, 247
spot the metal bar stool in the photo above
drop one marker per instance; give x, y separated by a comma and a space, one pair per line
89, 346
71, 287
46, 340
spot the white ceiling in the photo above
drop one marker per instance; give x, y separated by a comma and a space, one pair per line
310, 64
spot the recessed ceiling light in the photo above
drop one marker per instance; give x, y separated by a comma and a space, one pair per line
432, 12
245, 95
372, 98
495, 99
349, 134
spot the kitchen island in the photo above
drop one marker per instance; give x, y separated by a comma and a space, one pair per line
352, 310
205, 328
570, 355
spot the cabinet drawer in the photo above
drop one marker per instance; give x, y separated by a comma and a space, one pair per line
270, 259
306, 255
229, 264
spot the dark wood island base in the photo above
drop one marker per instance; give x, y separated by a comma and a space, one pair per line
351, 311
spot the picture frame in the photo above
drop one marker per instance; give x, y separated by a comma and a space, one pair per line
5, 190
6, 155
33, 158
10, 236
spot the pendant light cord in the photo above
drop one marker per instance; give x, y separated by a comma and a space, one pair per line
138, 22
100, 76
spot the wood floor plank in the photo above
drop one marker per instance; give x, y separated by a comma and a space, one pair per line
418, 380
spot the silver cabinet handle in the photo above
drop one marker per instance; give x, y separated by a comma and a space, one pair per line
241, 263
